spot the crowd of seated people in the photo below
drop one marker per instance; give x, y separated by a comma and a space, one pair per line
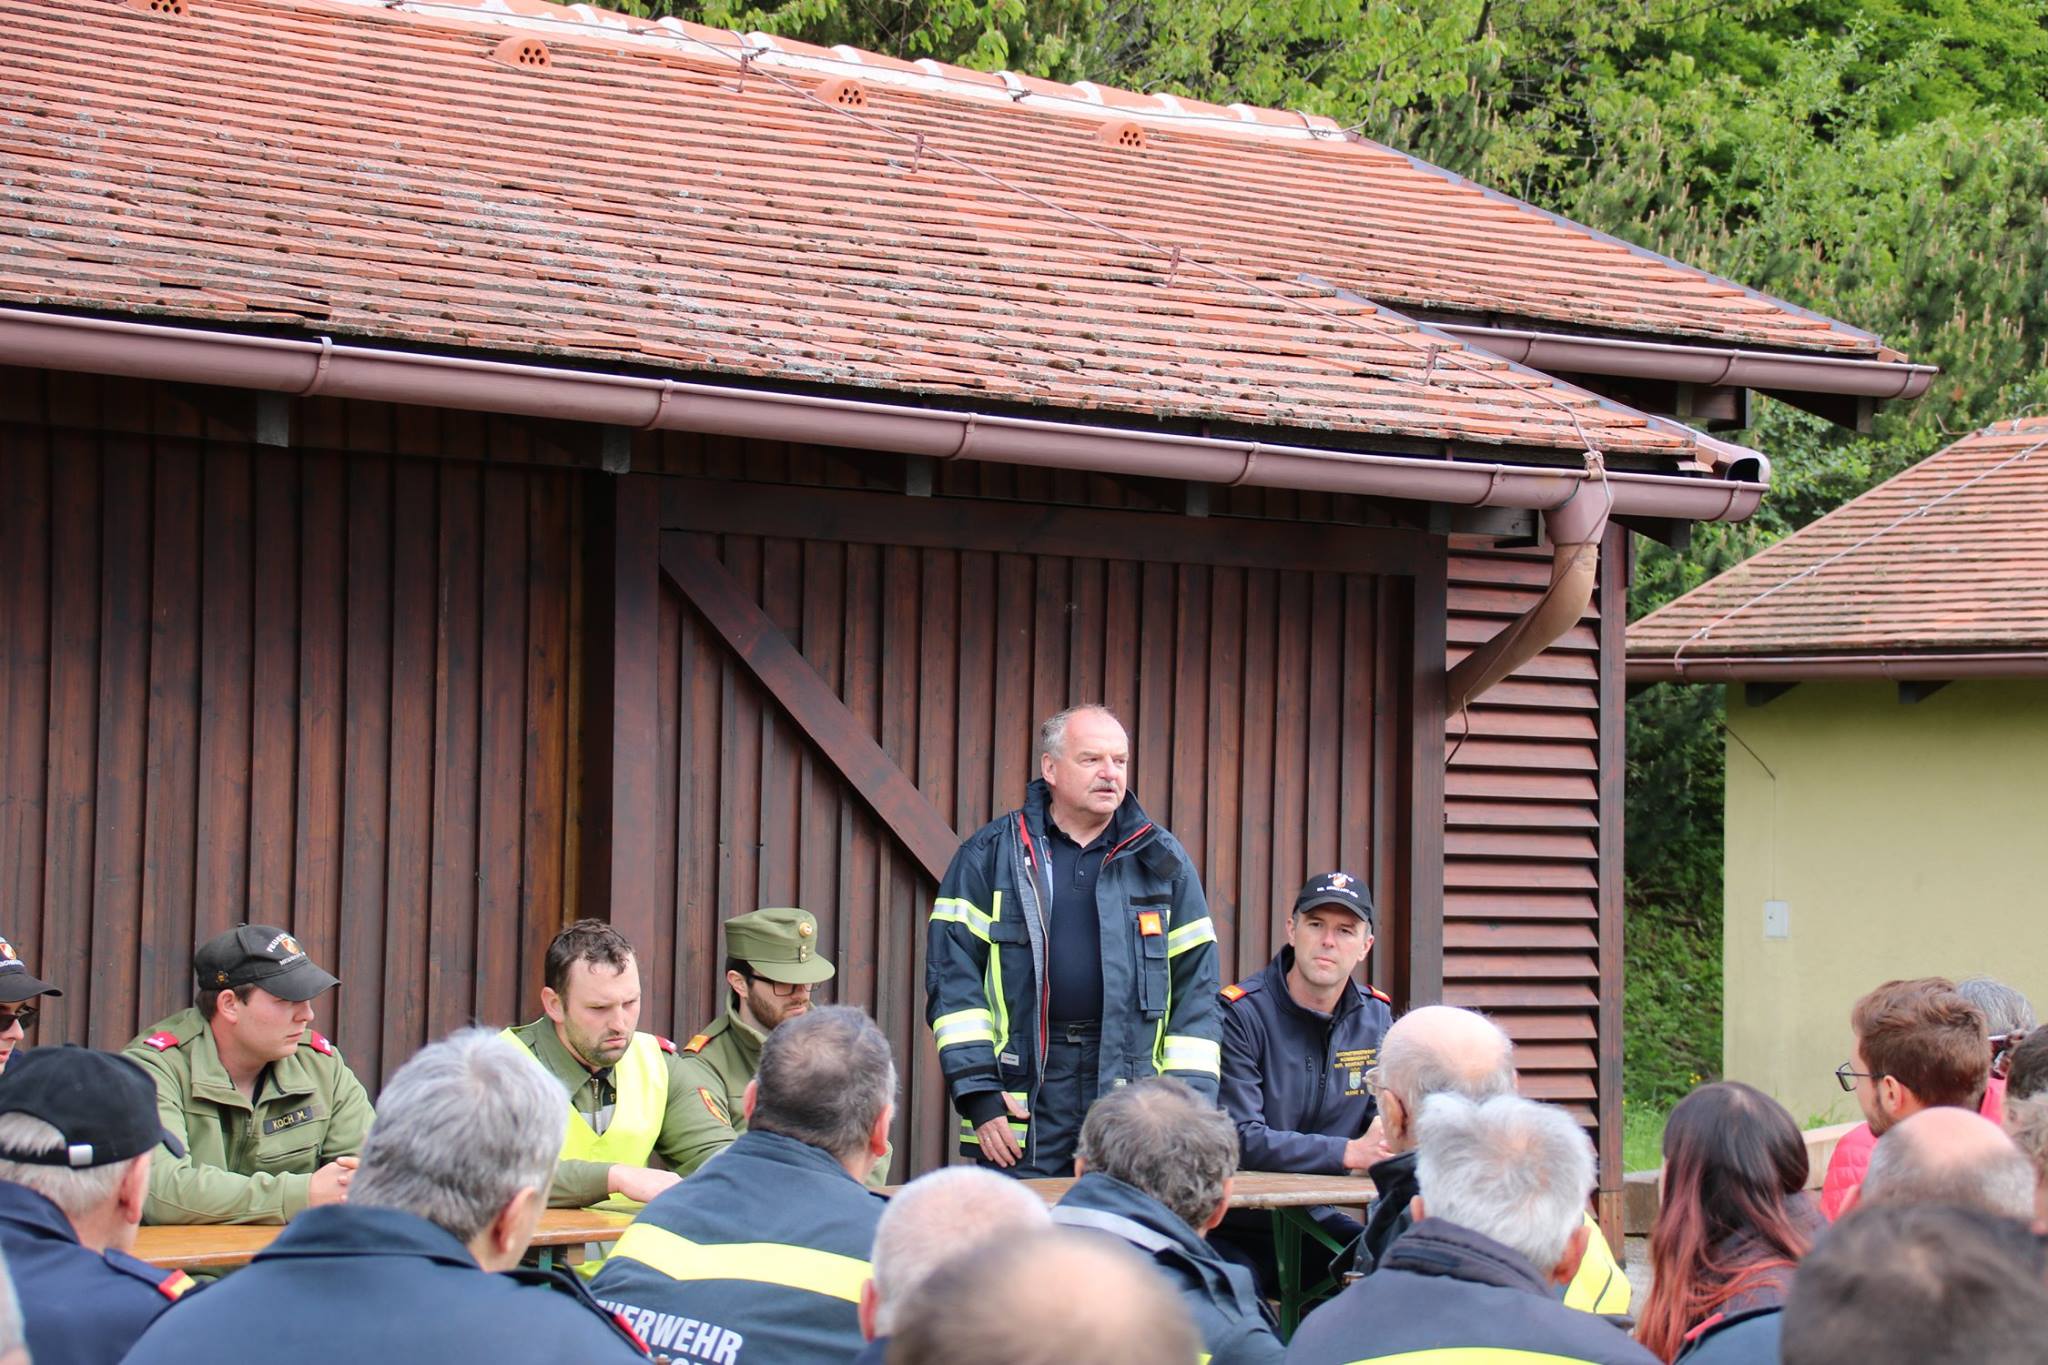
407, 1229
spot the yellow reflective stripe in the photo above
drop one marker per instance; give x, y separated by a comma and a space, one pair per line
1471, 1355
964, 1026
1019, 1128
953, 910
1191, 935
1600, 1286
994, 984
791, 1267
1193, 1054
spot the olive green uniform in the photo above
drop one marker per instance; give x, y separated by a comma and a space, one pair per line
721, 1060
694, 1124
245, 1162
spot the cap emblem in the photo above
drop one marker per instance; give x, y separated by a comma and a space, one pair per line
804, 929
6, 950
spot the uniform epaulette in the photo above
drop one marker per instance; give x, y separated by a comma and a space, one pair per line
695, 1044
1376, 993
319, 1044
171, 1284
665, 1044
1234, 993
163, 1040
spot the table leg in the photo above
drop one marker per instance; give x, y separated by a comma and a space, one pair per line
1290, 1227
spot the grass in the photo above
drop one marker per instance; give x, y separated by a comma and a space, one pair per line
1642, 1135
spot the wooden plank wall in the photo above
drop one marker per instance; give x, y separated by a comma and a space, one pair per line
1532, 862
1253, 740
322, 690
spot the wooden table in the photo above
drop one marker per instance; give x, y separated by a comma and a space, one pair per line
223, 1246
1289, 1197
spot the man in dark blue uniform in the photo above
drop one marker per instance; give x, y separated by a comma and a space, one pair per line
1298, 1040
77, 1128
453, 1181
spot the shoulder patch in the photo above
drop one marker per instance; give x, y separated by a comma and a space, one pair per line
711, 1103
175, 1285
665, 1044
319, 1044
1376, 993
162, 1041
696, 1043
1233, 993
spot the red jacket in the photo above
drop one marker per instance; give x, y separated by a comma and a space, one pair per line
1846, 1167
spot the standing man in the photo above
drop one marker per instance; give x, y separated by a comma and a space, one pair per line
1070, 951
19, 990
269, 1114
1298, 1041
628, 1096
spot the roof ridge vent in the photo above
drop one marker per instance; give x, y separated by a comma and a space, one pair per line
1123, 134
175, 8
523, 53
845, 94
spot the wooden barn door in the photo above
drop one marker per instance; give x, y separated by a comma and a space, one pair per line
844, 683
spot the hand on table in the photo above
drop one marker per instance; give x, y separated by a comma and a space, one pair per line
330, 1182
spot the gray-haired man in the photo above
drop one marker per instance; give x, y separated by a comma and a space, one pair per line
1500, 1226
933, 1220
1156, 1162
453, 1181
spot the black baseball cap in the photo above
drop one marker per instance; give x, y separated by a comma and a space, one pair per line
17, 983
102, 1104
1337, 888
259, 955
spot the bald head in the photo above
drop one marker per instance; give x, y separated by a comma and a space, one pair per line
1951, 1156
1440, 1050
933, 1220
1047, 1298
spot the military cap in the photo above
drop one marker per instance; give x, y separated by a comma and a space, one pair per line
259, 955
779, 944
102, 1105
17, 983
1336, 888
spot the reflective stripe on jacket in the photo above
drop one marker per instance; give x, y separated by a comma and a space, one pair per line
985, 984
758, 1258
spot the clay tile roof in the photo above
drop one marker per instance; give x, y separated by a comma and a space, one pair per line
678, 197
1950, 556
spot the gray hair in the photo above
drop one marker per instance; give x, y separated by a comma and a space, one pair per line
1905, 1168
939, 1217
825, 1077
1415, 1064
1506, 1168
2005, 1009
1052, 732
1160, 1137
76, 1193
462, 1128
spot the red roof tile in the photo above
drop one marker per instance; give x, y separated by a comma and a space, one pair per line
1950, 556
368, 170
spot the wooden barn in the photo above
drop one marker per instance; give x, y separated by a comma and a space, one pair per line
466, 466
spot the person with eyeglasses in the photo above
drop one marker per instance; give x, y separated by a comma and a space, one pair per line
19, 990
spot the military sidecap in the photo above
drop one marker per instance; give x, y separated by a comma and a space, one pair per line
259, 955
17, 982
780, 944
1337, 888
102, 1105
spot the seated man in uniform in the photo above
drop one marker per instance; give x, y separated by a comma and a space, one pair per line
19, 990
77, 1129
1298, 1040
454, 1179
760, 1257
628, 1096
270, 1116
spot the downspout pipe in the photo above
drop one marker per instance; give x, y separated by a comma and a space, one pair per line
326, 368
1575, 530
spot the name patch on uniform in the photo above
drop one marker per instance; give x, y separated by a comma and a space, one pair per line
1148, 923
305, 1113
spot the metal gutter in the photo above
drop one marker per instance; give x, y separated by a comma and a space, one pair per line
1841, 667
327, 368
1555, 351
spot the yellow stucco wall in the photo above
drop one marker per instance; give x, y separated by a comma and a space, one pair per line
1905, 841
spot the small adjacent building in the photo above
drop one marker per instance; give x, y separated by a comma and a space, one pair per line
1887, 751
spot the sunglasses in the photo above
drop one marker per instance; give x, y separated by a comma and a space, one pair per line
24, 1016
